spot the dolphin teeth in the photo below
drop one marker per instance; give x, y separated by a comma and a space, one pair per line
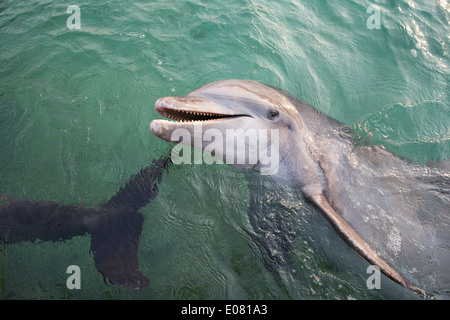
191, 115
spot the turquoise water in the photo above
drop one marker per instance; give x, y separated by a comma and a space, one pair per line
76, 105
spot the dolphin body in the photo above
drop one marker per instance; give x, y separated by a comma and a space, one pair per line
400, 208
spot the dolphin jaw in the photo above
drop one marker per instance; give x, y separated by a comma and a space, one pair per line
189, 116
186, 112
190, 112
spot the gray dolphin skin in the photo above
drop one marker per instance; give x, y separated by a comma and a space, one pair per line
400, 208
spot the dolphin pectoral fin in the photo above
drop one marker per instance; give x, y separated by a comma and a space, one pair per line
359, 245
115, 242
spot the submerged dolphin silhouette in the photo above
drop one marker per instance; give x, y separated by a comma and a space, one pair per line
115, 226
363, 187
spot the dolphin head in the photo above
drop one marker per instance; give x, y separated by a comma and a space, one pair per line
226, 104
262, 117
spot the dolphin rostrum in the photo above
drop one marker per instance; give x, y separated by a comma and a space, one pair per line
318, 155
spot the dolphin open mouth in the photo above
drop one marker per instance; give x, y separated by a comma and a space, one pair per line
189, 116
182, 112
189, 111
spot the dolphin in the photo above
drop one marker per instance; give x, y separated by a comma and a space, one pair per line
317, 155
356, 186
115, 226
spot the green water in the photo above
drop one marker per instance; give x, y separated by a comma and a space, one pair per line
75, 109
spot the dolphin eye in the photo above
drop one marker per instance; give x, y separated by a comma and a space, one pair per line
272, 114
